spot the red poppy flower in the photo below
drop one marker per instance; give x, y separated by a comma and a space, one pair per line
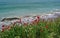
14, 23
3, 29
19, 21
35, 20
46, 26
3, 25
38, 17
41, 30
25, 23
8, 27
43, 20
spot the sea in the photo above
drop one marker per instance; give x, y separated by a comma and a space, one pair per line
22, 9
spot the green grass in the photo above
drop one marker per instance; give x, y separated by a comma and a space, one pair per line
46, 29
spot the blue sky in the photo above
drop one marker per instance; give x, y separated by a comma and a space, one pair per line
26, 1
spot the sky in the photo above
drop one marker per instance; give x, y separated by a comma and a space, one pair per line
26, 1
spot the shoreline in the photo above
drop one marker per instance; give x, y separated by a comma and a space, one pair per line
28, 19
39, 14
31, 14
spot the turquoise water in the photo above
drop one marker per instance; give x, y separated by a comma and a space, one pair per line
27, 9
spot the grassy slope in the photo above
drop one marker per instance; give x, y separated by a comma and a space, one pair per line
44, 29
